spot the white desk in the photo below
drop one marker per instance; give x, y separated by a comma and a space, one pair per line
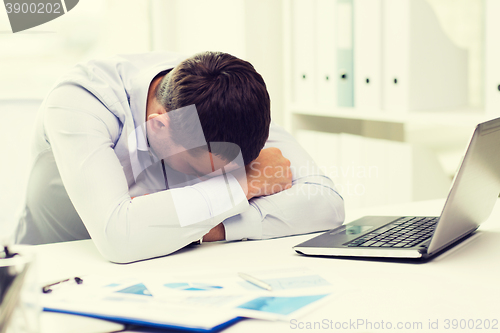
460, 284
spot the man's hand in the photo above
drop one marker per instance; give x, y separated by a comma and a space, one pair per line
217, 233
268, 174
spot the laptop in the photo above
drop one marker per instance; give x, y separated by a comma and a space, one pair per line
473, 194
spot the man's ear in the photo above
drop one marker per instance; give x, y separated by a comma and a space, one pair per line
158, 121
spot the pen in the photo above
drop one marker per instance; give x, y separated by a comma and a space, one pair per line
7, 253
255, 281
47, 289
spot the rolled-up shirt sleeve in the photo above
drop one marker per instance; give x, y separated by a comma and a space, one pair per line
82, 136
311, 204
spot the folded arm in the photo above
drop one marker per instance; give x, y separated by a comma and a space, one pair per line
311, 204
82, 133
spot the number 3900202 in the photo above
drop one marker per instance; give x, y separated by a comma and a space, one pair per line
33, 8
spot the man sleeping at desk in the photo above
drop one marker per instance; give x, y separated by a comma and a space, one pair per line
147, 153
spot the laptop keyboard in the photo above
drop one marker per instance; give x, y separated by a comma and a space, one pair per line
404, 232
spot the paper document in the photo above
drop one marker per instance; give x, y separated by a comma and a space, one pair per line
129, 301
200, 301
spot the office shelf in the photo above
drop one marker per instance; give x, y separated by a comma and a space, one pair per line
453, 117
323, 117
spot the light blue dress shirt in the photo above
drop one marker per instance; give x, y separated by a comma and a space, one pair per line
82, 181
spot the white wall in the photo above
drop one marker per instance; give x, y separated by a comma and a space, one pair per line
17, 120
463, 22
32, 60
248, 29
264, 38
195, 26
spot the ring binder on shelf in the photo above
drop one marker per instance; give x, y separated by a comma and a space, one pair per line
368, 54
423, 68
326, 53
345, 68
304, 75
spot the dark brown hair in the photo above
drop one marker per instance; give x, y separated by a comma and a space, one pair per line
231, 99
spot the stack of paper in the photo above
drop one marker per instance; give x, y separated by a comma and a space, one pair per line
202, 303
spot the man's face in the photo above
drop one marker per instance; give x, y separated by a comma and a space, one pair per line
199, 163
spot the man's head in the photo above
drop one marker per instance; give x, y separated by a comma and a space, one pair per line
231, 100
